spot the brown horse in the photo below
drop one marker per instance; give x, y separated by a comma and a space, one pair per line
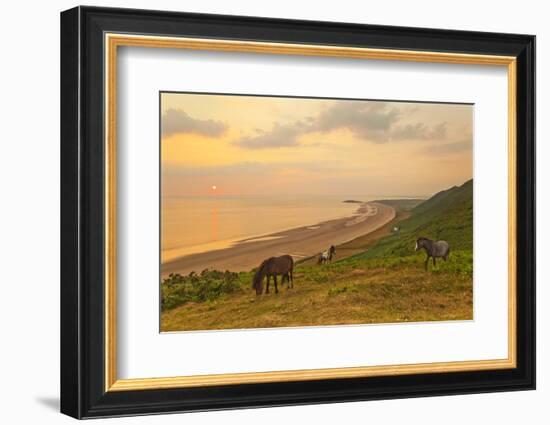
271, 268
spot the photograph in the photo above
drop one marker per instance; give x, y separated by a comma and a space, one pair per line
298, 211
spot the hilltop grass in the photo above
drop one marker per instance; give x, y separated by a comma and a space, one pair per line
378, 278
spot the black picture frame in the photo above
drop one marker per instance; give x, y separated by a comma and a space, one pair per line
83, 392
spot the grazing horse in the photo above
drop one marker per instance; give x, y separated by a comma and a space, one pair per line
433, 249
326, 255
271, 268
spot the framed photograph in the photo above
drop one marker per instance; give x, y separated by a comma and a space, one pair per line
261, 212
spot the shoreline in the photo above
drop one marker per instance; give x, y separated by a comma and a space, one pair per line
174, 254
300, 242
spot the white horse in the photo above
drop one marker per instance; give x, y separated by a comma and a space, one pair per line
326, 255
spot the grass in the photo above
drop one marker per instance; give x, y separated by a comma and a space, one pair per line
378, 278
447, 215
352, 292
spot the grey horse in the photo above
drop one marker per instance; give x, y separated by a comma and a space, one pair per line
433, 249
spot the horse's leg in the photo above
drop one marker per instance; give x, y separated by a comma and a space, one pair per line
267, 285
275, 280
434, 260
426, 263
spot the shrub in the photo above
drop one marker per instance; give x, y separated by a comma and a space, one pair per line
177, 289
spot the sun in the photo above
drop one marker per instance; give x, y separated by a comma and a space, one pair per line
214, 187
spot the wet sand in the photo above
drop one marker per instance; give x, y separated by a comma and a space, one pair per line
300, 242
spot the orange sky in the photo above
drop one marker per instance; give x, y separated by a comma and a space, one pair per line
246, 145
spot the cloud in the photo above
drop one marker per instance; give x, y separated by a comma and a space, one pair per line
366, 120
375, 122
419, 131
176, 121
281, 135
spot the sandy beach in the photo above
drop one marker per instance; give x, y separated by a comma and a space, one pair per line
300, 242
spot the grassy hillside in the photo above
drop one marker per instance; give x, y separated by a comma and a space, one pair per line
348, 292
447, 215
382, 281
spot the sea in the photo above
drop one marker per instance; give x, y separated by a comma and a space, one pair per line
195, 224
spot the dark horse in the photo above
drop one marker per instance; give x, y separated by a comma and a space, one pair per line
433, 249
326, 255
271, 268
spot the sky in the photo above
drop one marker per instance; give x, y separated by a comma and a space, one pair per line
250, 145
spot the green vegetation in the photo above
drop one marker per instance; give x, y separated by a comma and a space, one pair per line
383, 280
354, 292
402, 204
448, 215
206, 286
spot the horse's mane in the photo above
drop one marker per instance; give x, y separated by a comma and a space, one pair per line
259, 272
264, 263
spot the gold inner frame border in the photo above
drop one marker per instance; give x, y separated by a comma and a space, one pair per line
112, 41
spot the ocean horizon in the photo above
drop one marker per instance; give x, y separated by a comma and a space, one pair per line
196, 224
